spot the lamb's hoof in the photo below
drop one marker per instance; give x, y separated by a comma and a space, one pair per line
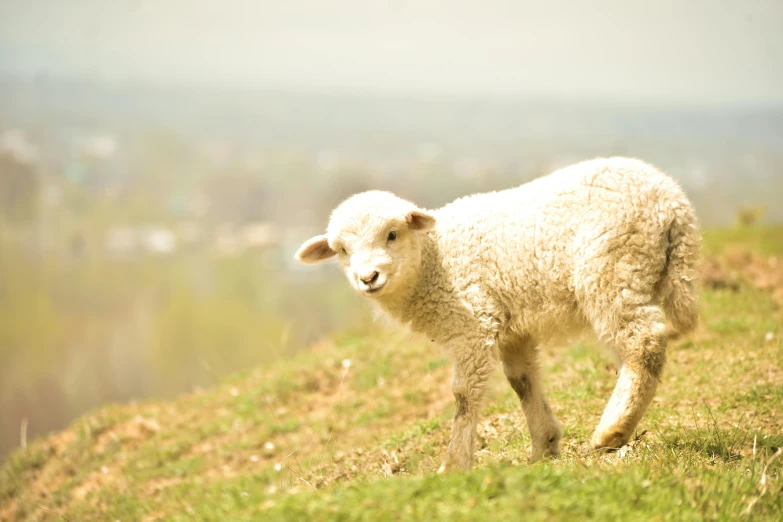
609, 440
451, 466
549, 452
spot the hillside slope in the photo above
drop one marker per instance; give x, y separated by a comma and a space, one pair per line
355, 428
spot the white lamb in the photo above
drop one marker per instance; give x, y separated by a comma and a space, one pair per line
605, 244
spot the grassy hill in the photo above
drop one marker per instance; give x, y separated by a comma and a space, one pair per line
355, 428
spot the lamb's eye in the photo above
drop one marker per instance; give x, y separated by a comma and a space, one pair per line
392, 236
344, 251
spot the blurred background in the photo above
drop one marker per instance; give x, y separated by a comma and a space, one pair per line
160, 162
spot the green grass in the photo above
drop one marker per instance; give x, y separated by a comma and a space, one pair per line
539, 492
759, 239
354, 429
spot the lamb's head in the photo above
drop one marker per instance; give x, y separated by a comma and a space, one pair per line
377, 238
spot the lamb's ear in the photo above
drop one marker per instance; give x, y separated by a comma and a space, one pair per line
314, 250
420, 220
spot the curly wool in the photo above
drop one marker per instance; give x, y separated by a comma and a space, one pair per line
558, 254
606, 245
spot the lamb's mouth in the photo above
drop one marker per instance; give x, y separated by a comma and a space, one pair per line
374, 289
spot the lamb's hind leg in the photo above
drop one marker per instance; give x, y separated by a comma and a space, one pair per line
520, 364
639, 337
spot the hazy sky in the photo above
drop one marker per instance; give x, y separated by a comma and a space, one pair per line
714, 51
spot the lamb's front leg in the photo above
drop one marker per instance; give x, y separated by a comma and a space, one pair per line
471, 372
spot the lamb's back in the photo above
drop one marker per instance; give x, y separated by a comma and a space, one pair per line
523, 244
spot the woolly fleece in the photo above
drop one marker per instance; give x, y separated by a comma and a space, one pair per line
606, 244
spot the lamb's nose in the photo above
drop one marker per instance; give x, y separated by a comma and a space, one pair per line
369, 279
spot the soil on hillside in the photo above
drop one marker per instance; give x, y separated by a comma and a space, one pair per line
729, 271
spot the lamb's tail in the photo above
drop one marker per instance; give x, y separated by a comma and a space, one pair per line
678, 286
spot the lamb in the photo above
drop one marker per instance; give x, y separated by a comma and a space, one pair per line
605, 245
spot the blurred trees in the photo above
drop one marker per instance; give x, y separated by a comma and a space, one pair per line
19, 188
749, 216
238, 196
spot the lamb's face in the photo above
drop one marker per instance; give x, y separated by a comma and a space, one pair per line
376, 238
